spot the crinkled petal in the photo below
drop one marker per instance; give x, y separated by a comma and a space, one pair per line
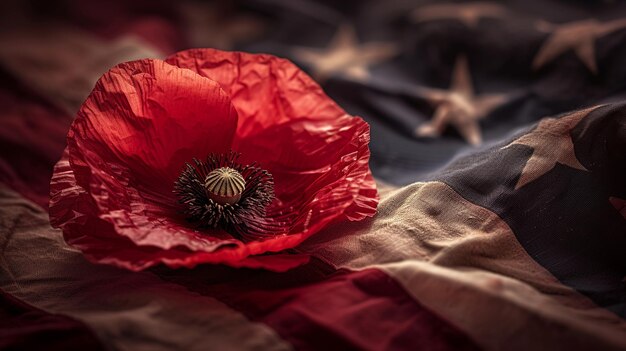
149, 118
317, 153
266, 90
99, 241
128, 143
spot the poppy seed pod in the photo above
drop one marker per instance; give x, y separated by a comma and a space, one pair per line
224, 185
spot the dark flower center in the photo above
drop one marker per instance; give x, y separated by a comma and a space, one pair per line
222, 193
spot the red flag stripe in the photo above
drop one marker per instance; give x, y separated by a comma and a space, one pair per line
316, 307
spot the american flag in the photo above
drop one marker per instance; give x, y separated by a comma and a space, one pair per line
498, 144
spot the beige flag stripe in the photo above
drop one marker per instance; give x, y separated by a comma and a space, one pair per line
37, 267
463, 262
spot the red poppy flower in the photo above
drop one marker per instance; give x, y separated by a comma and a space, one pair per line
113, 192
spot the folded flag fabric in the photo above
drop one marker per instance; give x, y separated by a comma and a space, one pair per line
498, 143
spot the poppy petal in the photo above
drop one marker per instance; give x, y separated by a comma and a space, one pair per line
317, 153
99, 241
129, 141
151, 118
266, 90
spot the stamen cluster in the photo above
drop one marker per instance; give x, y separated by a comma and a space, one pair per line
222, 193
